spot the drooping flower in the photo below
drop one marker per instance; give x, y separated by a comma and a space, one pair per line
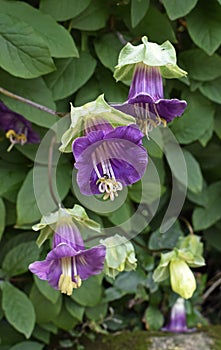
182, 279
120, 255
177, 321
146, 99
145, 65
109, 159
17, 129
68, 263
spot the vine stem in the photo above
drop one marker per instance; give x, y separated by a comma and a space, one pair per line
50, 159
188, 225
29, 102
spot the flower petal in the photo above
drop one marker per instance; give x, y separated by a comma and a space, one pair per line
67, 232
62, 250
130, 133
40, 268
81, 143
169, 109
90, 262
147, 82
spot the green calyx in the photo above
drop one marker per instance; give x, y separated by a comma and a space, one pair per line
93, 112
152, 54
77, 215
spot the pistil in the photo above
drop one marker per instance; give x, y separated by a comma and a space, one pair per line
106, 182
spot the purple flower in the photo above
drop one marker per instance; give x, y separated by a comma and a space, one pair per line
109, 159
68, 263
17, 128
177, 322
146, 99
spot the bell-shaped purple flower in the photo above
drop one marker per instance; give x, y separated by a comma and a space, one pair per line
68, 263
146, 99
177, 322
109, 159
17, 129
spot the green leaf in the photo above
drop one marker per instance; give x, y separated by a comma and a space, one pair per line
166, 240
210, 213
56, 37
49, 293
159, 27
2, 217
32, 89
65, 321
194, 175
176, 9
44, 309
149, 188
23, 51
129, 281
138, 10
88, 92
199, 65
65, 9
107, 48
93, 18
18, 309
196, 120
28, 345
11, 176
74, 309
203, 25
34, 198
81, 295
153, 318
17, 259
212, 90
97, 313
70, 75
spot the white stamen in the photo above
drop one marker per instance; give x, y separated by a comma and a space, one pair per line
107, 183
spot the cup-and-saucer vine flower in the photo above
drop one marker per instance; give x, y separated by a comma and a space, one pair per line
69, 262
17, 129
177, 321
146, 65
107, 147
109, 159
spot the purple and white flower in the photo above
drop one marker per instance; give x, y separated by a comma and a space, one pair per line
17, 129
109, 159
68, 263
146, 100
177, 322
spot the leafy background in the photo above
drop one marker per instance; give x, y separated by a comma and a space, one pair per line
54, 52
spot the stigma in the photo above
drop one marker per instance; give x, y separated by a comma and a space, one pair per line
107, 183
65, 283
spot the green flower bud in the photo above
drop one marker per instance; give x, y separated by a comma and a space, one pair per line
182, 279
120, 255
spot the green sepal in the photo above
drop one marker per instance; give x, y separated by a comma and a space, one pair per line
162, 271
77, 214
151, 54
190, 249
96, 111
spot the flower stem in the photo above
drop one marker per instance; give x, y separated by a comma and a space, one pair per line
188, 225
29, 102
50, 158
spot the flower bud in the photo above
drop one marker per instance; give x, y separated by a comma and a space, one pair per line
182, 279
120, 255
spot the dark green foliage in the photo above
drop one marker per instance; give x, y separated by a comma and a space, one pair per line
57, 52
